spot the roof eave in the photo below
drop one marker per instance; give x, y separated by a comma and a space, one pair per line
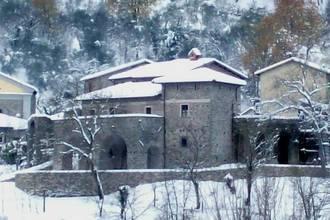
235, 71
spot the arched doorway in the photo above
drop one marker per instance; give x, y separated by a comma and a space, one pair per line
283, 148
114, 153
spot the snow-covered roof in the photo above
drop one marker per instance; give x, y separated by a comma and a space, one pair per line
116, 68
297, 60
7, 121
194, 51
202, 74
18, 81
124, 90
177, 66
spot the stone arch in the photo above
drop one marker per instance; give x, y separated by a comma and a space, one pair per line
154, 158
114, 153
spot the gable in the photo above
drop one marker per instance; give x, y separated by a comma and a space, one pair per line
9, 85
271, 84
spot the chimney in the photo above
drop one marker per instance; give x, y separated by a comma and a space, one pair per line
194, 54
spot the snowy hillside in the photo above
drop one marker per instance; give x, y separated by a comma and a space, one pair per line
52, 44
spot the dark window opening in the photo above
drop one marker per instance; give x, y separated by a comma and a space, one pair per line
283, 148
184, 142
92, 112
196, 86
0, 110
184, 110
2, 138
148, 110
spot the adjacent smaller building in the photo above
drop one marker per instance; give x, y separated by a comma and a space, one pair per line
17, 104
273, 80
17, 98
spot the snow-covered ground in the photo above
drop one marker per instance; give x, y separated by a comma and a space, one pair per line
279, 196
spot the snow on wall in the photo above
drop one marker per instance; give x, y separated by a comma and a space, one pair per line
124, 90
7, 121
69, 183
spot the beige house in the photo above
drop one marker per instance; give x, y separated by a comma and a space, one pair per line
17, 98
273, 82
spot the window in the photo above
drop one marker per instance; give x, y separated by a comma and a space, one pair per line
0, 110
148, 110
196, 86
184, 111
184, 142
112, 111
92, 112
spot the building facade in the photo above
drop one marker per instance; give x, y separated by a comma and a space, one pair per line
158, 115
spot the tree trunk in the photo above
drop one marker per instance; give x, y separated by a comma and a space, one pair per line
100, 192
322, 153
196, 188
247, 211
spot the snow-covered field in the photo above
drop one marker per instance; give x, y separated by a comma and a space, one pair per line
278, 197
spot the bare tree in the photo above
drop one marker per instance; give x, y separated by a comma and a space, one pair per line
313, 114
195, 158
88, 130
313, 196
259, 151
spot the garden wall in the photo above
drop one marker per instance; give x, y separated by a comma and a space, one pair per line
80, 183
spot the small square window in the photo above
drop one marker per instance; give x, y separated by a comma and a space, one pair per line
184, 110
184, 142
92, 112
148, 110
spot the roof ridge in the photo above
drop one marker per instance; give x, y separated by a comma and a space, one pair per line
295, 59
115, 68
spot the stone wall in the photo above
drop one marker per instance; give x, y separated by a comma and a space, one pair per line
80, 183
140, 135
207, 126
271, 86
124, 106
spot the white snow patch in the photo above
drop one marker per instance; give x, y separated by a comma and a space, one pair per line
7, 121
172, 67
75, 44
11, 175
297, 60
201, 74
124, 90
115, 69
153, 201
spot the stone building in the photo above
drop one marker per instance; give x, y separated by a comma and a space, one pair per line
297, 143
158, 114
272, 82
